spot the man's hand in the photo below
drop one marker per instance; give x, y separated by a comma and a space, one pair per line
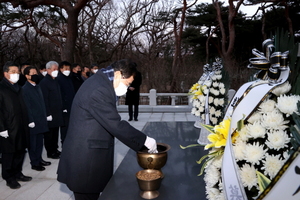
31, 125
150, 143
49, 118
4, 134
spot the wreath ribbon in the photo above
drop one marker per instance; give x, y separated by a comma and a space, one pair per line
269, 62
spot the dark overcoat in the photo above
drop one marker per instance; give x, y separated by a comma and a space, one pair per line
13, 118
133, 97
34, 101
53, 101
86, 162
67, 91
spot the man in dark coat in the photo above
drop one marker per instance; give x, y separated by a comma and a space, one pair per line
34, 101
76, 76
54, 109
86, 162
67, 92
133, 96
14, 129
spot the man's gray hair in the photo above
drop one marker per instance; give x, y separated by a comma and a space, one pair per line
50, 63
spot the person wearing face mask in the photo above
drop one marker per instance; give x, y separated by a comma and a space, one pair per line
54, 109
86, 162
94, 69
67, 92
42, 71
14, 130
38, 125
76, 76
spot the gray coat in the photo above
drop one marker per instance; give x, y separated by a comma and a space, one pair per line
86, 162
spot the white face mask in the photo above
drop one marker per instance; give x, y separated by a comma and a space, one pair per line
54, 73
121, 89
14, 78
95, 71
66, 73
44, 73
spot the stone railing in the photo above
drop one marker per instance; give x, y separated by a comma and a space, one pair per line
153, 102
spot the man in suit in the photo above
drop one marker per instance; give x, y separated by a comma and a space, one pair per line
14, 129
133, 96
67, 92
76, 76
34, 101
86, 163
54, 109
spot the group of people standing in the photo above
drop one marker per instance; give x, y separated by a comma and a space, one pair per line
85, 113
35, 106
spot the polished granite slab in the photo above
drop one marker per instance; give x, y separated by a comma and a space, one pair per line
180, 182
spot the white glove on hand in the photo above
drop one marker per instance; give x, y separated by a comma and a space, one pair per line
49, 118
31, 125
150, 143
4, 134
65, 111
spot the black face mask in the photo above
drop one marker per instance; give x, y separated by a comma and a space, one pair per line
35, 78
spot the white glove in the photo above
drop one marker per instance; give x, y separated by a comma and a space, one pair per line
31, 125
65, 111
4, 134
150, 143
49, 118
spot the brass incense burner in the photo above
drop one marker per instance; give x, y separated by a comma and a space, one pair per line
153, 160
150, 178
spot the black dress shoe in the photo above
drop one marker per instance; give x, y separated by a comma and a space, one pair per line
136, 120
38, 168
130, 119
45, 163
13, 184
53, 156
24, 178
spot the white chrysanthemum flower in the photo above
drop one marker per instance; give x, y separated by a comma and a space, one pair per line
217, 161
216, 101
212, 110
197, 113
205, 91
210, 99
221, 85
288, 104
221, 102
267, 106
274, 120
221, 196
222, 91
243, 134
214, 120
212, 176
196, 103
203, 116
255, 130
282, 89
214, 78
254, 153
193, 110
272, 164
212, 193
215, 84
201, 98
277, 139
201, 109
254, 117
207, 83
238, 149
218, 77
217, 93
248, 176
218, 113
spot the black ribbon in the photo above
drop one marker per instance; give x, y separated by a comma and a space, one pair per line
269, 62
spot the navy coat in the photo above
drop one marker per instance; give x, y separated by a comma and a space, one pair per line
34, 101
53, 101
67, 91
13, 118
86, 162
